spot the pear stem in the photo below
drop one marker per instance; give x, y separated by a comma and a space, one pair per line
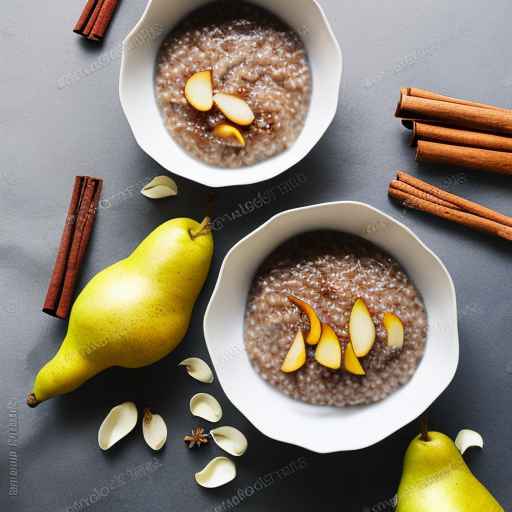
424, 428
203, 229
32, 401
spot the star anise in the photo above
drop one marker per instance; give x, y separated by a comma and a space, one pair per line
197, 438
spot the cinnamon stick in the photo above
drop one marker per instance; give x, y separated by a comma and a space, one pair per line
420, 194
463, 212
92, 19
460, 202
95, 19
59, 270
74, 241
466, 219
429, 95
104, 18
85, 16
474, 158
458, 137
455, 114
76, 252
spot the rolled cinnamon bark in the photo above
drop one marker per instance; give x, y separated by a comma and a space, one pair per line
420, 194
437, 133
429, 95
474, 158
460, 202
466, 219
464, 116
59, 270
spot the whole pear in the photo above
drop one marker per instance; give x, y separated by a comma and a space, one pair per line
134, 312
435, 478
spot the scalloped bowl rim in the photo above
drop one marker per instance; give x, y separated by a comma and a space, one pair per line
217, 176
309, 443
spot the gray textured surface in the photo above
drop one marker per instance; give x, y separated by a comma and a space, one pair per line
50, 134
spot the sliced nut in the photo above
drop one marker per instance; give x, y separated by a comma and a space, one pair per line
120, 421
395, 330
199, 90
217, 472
206, 406
230, 439
154, 430
352, 363
361, 329
467, 439
198, 369
227, 131
296, 356
160, 187
234, 108
328, 350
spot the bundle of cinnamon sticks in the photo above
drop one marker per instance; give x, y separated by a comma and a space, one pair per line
457, 132
414, 193
95, 19
73, 244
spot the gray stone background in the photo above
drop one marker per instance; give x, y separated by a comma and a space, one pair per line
51, 132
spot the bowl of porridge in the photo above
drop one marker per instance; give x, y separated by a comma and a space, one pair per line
332, 326
228, 92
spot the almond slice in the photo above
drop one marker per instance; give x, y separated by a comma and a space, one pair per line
234, 108
296, 356
217, 472
227, 131
154, 430
328, 350
352, 363
361, 329
467, 439
120, 421
199, 90
315, 327
395, 329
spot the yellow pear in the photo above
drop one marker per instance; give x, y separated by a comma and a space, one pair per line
328, 350
134, 312
315, 326
352, 363
435, 478
296, 356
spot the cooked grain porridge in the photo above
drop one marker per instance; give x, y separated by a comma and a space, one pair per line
252, 55
330, 270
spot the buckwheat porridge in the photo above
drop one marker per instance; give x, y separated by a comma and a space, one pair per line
246, 53
330, 271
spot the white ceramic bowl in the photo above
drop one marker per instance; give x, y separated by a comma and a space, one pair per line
320, 428
136, 89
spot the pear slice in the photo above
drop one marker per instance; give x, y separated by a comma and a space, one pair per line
352, 363
361, 329
395, 329
228, 131
234, 108
199, 90
328, 350
296, 356
315, 327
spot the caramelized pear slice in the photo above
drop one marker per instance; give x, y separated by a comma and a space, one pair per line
361, 329
315, 327
296, 356
234, 108
352, 363
199, 90
227, 131
328, 350
395, 329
